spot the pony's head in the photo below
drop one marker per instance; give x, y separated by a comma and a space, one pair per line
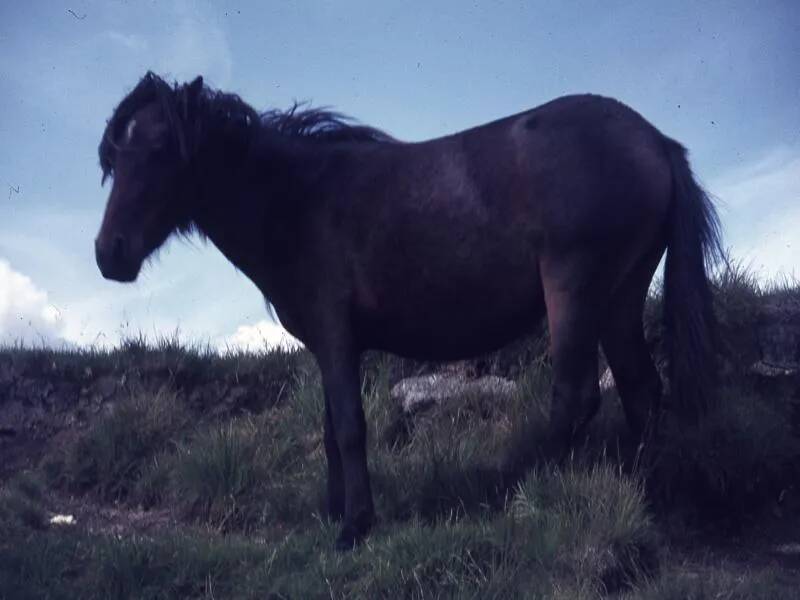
146, 149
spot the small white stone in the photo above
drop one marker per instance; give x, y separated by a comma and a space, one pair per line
62, 520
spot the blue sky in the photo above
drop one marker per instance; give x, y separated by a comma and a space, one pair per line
721, 77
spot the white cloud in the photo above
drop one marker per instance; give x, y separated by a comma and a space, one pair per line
760, 207
130, 41
189, 41
25, 314
198, 46
263, 335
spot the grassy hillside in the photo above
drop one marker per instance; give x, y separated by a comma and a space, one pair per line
194, 475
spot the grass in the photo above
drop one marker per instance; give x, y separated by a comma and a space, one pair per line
230, 447
19, 509
533, 547
732, 466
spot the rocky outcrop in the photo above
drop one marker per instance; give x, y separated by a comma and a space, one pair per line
779, 333
777, 372
44, 403
44, 392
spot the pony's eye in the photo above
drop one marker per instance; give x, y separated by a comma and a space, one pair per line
129, 130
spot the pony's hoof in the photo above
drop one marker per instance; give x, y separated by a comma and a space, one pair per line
349, 538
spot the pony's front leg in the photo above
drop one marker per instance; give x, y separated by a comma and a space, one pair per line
346, 428
335, 472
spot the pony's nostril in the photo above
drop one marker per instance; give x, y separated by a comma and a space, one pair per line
118, 253
113, 256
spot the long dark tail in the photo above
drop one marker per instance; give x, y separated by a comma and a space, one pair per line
693, 248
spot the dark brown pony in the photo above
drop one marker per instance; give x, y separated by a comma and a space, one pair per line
442, 249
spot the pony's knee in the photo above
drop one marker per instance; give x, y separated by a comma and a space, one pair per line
351, 432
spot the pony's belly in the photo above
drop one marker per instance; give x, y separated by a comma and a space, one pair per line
450, 335
471, 293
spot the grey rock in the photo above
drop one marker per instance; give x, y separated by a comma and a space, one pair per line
417, 394
768, 369
791, 549
607, 382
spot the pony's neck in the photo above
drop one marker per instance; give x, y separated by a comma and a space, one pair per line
251, 208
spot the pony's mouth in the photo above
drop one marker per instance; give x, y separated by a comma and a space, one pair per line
123, 273
116, 265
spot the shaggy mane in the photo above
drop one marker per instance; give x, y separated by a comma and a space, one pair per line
215, 108
321, 124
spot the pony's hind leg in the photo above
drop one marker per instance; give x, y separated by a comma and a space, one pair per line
635, 375
573, 347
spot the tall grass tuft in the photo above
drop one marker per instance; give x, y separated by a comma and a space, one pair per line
590, 521
109, 458
731, 466
243, 474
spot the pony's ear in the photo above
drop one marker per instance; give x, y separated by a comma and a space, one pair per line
191, 94
196, 86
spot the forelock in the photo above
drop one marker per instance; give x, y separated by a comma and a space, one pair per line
151, 88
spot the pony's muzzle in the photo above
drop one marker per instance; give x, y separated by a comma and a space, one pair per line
114, 258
